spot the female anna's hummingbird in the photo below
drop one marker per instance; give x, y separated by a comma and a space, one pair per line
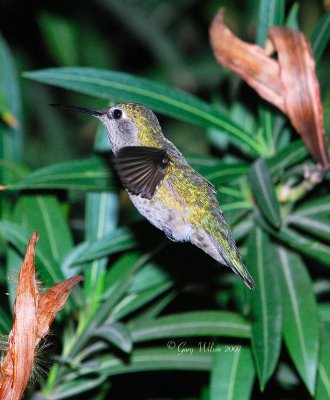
163, 186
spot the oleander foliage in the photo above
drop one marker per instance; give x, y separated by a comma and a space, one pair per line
144, 298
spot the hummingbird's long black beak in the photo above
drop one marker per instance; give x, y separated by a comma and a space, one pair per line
95, 113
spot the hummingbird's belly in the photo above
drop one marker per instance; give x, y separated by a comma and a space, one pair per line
167, 212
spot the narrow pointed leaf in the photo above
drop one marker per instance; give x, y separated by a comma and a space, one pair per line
323, 378
46, 214
60, 33
313, 226
309, 247
301, 243
264, 193
135, 301
121, 276
151, 359
206, 323
156, 307
11, 137
161, 98
49, 269
101, 214
285, 158
117, 334
292, 18
5, 322
265, 305
18, 237
216, 171
232, 375
271, 12
89, 174
300, 316
321, 36
316, 208
79, 386
119, 240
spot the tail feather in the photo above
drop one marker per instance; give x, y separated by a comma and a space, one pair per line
226, 254
240, 271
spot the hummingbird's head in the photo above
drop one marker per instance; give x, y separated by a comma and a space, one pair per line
127, 124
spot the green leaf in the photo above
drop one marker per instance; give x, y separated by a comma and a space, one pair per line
117, 334
161, 98
320, 36
46, 266
292, 19
19, 238
121, 274
150, 276
265, 305
101, 214
316, 208
315, 227
232, 374
119, 240
5, 322
323, 378
290, 155
309, 247
89, 174
221, 172
300, 316
304, 245
11, 137
150, 359
13, 170
147, 31
78, 386
271, 12
134, 301
156, 307
60, 34
44, 214
122, 271
324, 309
267, 123
195, 323
264, 193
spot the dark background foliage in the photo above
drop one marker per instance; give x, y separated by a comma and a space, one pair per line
134, 278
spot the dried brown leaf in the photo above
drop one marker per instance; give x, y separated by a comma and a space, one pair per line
249, 61
301, 89
33, 315
289, 83
18, 363
51, 302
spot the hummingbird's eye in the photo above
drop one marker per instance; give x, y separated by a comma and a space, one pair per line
117, 114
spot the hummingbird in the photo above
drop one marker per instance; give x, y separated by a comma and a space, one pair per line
163, 186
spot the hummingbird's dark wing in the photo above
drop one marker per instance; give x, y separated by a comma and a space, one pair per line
141, 169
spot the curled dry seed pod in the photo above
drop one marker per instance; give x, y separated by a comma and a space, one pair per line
33, 315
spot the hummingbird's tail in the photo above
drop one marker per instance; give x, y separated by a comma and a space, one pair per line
221, 246
239, 268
